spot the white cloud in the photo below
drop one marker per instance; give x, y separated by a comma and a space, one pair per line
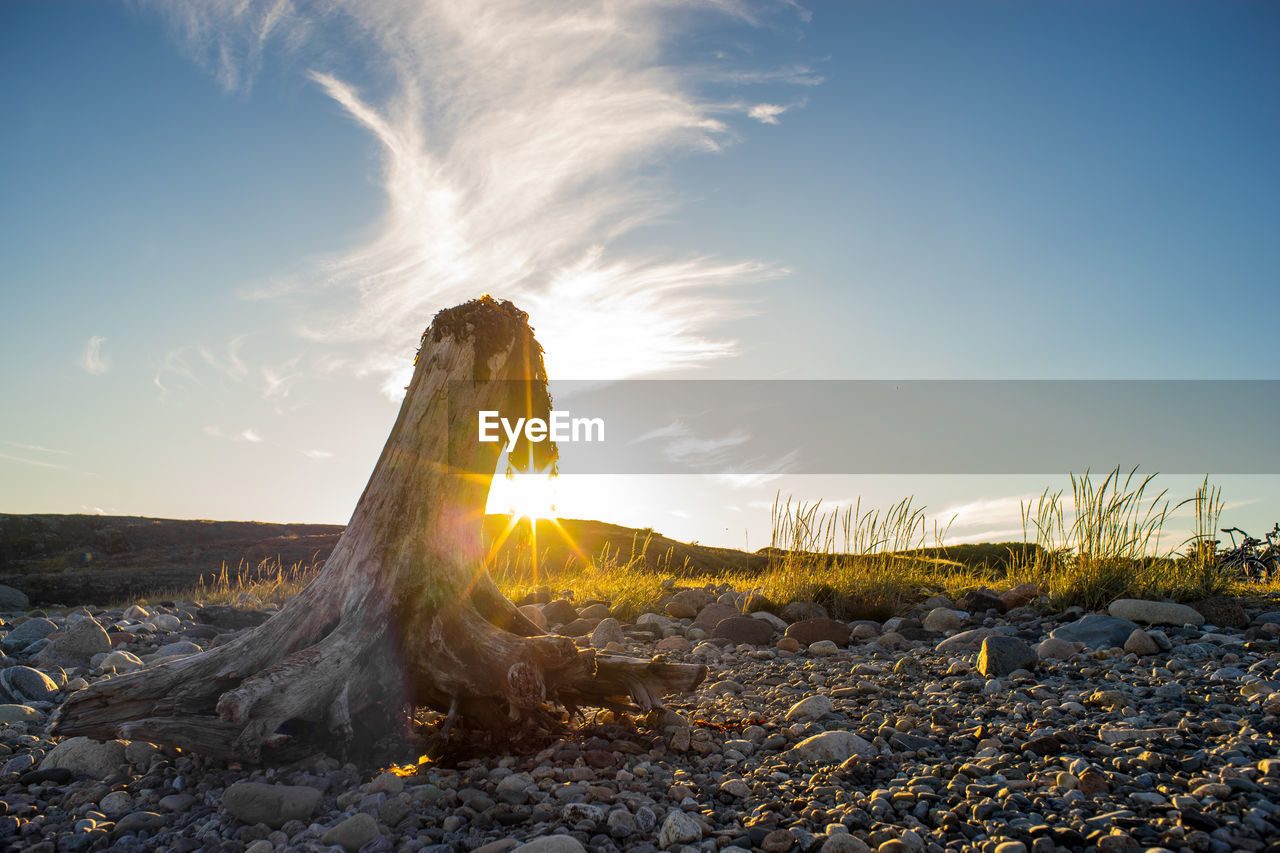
251, 436
516, 141
767, 113
37, 463
93, 361
316, 454
37, 448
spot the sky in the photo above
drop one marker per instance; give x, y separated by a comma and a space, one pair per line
224, 225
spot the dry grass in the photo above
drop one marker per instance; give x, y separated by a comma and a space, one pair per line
268, 582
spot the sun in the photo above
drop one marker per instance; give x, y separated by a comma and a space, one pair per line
524, 495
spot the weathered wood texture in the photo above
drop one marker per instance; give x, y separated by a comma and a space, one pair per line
404, 613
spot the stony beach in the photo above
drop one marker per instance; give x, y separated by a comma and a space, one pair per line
992, 723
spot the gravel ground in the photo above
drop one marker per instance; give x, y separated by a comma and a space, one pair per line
957, 727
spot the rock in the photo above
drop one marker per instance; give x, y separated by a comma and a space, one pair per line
830, 747
1019, 596
965, 641
778, 841
274, 805
119, 661
823, 648
13, 599
27, 633
139, 821
514, 789
695, 598
19, 714
674, 644
533, 613
140, 754
809, 631
863, 629
710, 616
608, 631
554, 844
86, 757
559, 612
1000, 656
22, 684
798, 610
788, 644
1155, 612
942, 619
843, 842
773, 621
166, 622
809, 709
1140, 643
680, 610
597, 610
1271, 617
1096, 631
1055, 648
980, 600
116, 803
76, 645
353, 833
1223, 611
743, 629
679, 828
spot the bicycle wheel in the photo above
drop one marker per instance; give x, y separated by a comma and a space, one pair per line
1254, 570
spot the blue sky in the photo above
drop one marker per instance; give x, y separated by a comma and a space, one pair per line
224, 226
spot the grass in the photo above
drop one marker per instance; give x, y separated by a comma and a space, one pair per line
268, 582
1104, 541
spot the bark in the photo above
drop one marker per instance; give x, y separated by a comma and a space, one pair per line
404, 613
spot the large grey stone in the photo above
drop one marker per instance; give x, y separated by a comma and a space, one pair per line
1155, 612
941, 619
22, 684
679, 828
809, 631
1096, 631
274, 805
75, 645
13, 599
87, 757
809, 709
1000, 656
965, 641
744, 629
27, 633
353, 833
608, 631
710, 615
830, 747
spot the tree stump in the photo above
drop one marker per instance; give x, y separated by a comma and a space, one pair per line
404, 613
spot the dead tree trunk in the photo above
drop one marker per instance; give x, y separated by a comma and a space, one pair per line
404, 613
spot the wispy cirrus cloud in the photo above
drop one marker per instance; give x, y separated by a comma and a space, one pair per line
516, 142
93, 360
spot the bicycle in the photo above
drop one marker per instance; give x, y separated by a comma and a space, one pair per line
1245, 561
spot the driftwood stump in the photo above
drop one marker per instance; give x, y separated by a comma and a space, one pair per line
404, 613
